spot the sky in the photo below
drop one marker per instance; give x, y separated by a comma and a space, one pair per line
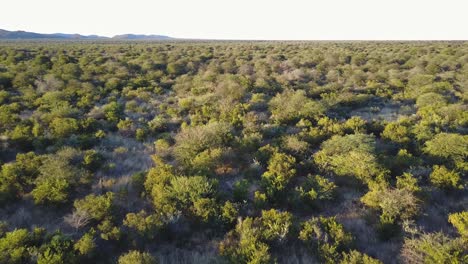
245, 19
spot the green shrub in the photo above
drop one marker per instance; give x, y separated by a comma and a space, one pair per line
407, 182
276, 224
326, 236
86, 245
14, 247
241, 190
58, 250
352, 155
444, 178
97, 207
356, 257
460, 222
449, 146
290, 106
281, 169
146, 225
136, 257
317, 188
434, 248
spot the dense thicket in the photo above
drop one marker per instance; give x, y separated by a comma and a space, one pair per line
233, 152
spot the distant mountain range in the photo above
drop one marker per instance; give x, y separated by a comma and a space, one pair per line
5, 34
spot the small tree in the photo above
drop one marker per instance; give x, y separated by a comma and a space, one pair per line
408, 182
460, 222
136, 257
276, 224
58, 250
449, 147
356, 257
97, 207
325, 235
444, 178
281, 169
145, 224
86, 245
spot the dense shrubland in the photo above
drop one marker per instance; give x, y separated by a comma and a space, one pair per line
233, 152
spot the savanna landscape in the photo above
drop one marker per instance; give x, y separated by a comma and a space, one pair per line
118, 151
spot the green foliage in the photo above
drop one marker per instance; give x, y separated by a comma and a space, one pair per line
394, 204
254, 117
136, 257
193, 141
407, 182
58, 175
317, 188
14, 247
434, 248
445, 178
145, 224
402, 161
109, 231
398, 132
356, 257
326, 236
9, 183
291, 106
244, 244
172, 194
229, 212
186, 190
18, 176
92, 160
451, 147
160, 174
241, 190
352, 155
460, 222
64, 127
96, 207
276, 224
51, 190
205, 162
281, 169
86, 245
205, 209
58, 250
113, 112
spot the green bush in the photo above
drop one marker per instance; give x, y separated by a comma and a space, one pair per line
14, 247
58, 250
290, 106
407, 182
192, 141
449, 146
96, 207
64, 127
317, 188
326, 236
460, 222
86, 245
356, 257
281, 169
444, 178
146, 225
276, 225
352, 155
136, 257
434, 248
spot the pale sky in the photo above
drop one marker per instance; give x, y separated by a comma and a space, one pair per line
244, 19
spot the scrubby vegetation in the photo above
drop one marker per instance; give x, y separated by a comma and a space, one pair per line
233, 152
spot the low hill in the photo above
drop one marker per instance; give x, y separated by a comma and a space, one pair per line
5, 34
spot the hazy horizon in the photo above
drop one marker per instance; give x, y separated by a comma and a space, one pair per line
244, 20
